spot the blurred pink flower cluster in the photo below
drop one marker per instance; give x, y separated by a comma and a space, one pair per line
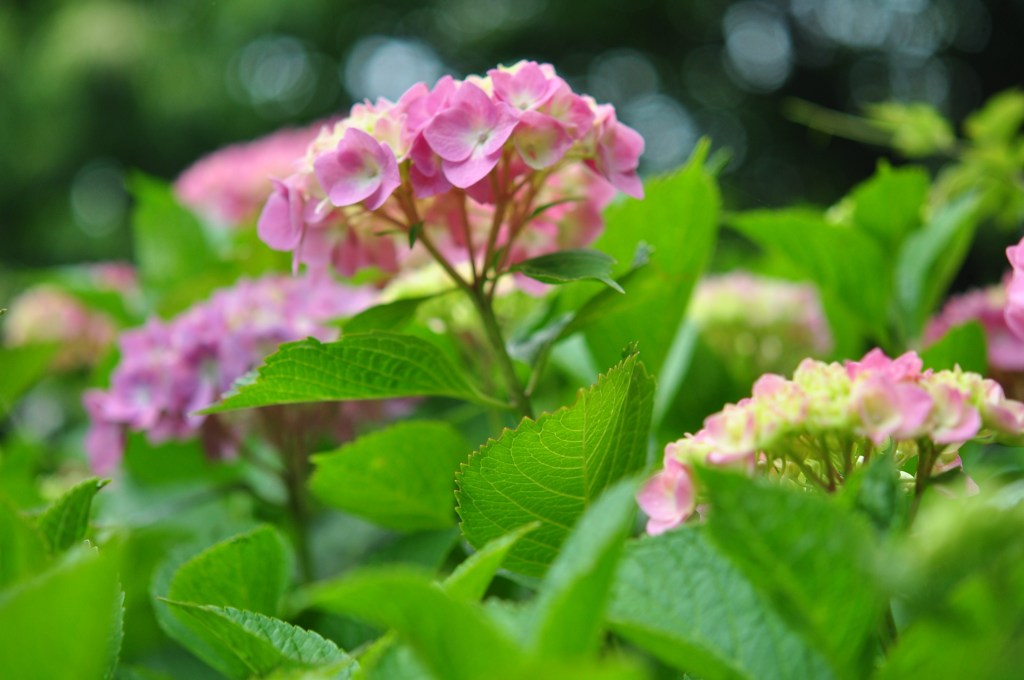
49, 314
759, 323
469, 164
815, 429
171, 369
229, 186
987, 306
1015, 290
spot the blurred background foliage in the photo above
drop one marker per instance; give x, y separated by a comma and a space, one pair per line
93, 89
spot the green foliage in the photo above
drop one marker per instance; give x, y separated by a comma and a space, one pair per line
808, 570
567, 266
65, 522
170, 246
551, 469
401, 477
472, 577
64, 622
834, 257
391, 316
23, 549
678, 221
451, 636
567, 617
684, 600
962, 346
248, 572
1000, 120
889, 206
917, 129
264, 644
377, 365
20, 369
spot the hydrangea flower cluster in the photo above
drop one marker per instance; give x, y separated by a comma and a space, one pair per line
759, 323
229, 186
1015, 290
463, 166
815, 429
987, 306
47, 314
171, 369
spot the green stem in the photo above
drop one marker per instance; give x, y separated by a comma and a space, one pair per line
298, 508
515, 388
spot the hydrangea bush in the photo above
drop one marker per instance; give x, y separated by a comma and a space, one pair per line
410, 419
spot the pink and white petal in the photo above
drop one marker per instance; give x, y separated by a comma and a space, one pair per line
541, 140
452, 134
468, 172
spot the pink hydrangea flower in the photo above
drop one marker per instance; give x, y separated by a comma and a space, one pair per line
170, 369
1015, 290
988, 306
228, 186
360, 169
469, 160
668, 498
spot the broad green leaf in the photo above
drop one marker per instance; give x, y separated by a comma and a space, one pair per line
262, 643
385, 659
567, 266
568, 613
402, 477
60, 624
249, 571
378, 365
917, 129
471, 579
390, 316
999, 120
834, 257
678, 220
170, 246
425, 549
963, 346
451, 636
889, 205
550, 470
961, 576
808, 555
607, 668
679, 597
20, 369
931, 257
65, 522
23, 549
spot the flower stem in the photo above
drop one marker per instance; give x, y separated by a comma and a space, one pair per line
508, 371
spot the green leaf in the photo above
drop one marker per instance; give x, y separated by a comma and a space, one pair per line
963, 346
65, 522
471, 579
551, 469
391, 316
402, 477
60, 624
567, 266
263, 644
20, 369
249, 571
834, 257
170, 246
451, 636
999, 120
23, 549
680, 598
425, 549
889, 205
931, 257
678, 220
808, 555
875, 492
917, 129
376, 365
568, 614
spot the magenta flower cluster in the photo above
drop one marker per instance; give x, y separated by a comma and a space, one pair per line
169, 370
819, 426
467, 163
229, 186
1015, 290
987, 306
